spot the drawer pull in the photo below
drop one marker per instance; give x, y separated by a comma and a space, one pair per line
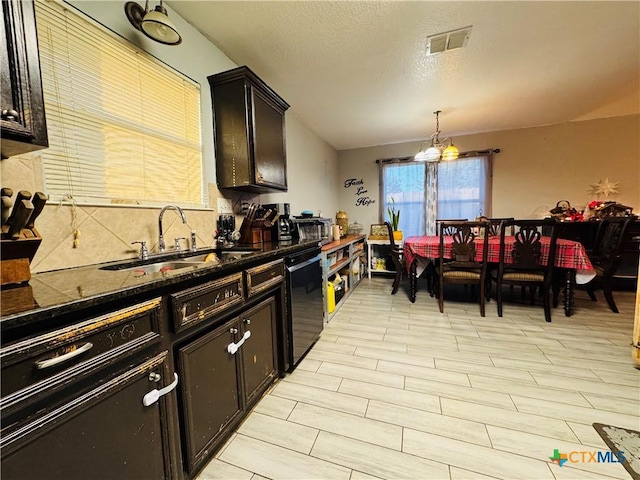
232, 348
153, 396
50, 362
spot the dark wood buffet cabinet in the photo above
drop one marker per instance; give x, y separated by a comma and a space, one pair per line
148, 386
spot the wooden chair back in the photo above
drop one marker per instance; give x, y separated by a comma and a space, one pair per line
496, 225
397, 257
448, 230
466, 264
526, 267
606, 252
527, 247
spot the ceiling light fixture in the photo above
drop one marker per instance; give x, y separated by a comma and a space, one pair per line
438, 150
155, 24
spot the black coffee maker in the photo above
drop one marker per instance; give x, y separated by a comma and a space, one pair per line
283, 228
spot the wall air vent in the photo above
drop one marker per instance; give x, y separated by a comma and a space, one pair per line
443, 42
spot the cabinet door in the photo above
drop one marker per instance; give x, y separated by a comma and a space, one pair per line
22, 120
231, 141
259, 350
106, 433
210, 391
269, 151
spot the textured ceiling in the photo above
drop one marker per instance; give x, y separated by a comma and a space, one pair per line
357, 75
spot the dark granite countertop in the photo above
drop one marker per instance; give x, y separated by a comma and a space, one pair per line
59, 292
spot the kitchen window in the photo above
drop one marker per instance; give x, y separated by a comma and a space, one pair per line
124, 128
425, 191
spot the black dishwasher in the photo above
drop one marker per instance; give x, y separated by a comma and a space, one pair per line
304, 302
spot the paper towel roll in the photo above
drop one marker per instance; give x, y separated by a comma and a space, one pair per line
336, 233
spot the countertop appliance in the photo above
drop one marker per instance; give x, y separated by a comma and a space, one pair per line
304, 302
313, 228
283, 228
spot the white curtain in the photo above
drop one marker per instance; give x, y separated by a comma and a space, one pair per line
431, 188
464, 188
404, 181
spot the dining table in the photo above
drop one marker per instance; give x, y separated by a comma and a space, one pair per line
571, 258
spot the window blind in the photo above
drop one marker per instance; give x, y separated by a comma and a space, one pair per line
123, 127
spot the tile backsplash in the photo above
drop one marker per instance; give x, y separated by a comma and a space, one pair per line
105, 233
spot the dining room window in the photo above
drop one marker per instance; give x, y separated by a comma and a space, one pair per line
124, 128
425, 191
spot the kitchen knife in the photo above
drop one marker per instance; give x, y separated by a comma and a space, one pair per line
22, 195
6, 192
20, 217
39, 200
7, 203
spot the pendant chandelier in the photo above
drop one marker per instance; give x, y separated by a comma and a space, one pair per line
438, 150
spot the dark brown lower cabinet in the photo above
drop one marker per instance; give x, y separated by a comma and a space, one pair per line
210, 391
104, 433
224, 371
259, 350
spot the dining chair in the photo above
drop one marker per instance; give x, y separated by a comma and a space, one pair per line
448, 231
465, 264
397, 256
430, 271
606, 257
525, 266
495, 225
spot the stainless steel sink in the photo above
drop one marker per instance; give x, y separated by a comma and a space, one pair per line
223, 256
163, 267
167, 264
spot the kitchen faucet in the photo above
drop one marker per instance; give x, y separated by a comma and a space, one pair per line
161, 245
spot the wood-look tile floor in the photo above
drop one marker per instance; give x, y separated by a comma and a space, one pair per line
399, 390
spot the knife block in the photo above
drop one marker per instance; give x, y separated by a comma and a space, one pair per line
16, 255
254, 232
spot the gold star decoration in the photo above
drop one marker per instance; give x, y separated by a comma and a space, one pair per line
605, 188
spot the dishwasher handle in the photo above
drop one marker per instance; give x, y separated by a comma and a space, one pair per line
304, 264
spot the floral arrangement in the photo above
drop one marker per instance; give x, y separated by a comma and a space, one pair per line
598, 209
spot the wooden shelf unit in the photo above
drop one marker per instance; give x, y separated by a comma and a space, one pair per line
371, 244
336, 256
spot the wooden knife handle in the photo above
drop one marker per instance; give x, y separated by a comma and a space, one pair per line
7, 203
39, 200
21, 195
21, 214
6, 192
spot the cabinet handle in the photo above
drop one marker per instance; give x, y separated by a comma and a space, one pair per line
232, 348
10, 115
247, 321
233, 331
50, 362
153, 396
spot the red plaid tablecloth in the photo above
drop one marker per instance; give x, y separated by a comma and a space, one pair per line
569, 253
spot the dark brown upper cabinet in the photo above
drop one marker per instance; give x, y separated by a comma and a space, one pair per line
22, 120
249, 132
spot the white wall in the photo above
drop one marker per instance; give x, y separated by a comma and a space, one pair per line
312, 172
535, 168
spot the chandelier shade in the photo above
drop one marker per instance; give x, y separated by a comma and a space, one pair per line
438, 149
